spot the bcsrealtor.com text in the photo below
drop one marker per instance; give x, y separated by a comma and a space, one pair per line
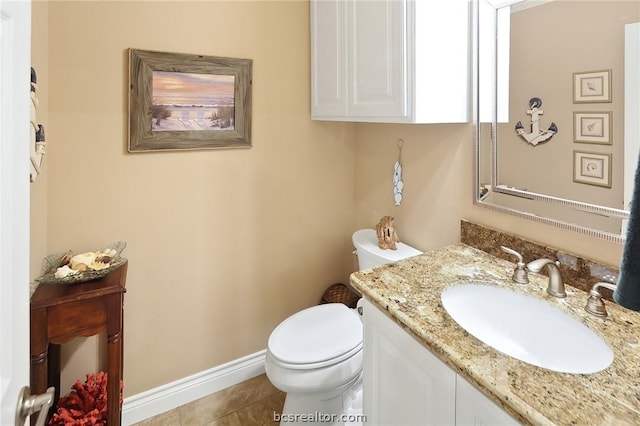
318, 417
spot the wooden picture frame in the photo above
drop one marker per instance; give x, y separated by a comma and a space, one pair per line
188, 102
593, 127
592, 87
592, 168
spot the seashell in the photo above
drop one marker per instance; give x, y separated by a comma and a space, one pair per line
83, 258
96, 266
104, 259
64, 260
64, 271
109, 252
81, 267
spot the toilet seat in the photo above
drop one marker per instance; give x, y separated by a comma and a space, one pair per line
316, 337
321, 364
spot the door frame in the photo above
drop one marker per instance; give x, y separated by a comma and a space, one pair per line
15, 135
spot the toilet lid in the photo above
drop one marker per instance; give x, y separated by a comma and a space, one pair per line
316, 334
367, 239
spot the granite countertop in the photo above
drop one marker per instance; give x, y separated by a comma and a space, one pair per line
409, 292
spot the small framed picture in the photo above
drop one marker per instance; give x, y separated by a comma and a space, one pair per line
593, 86
592, 168
592, 127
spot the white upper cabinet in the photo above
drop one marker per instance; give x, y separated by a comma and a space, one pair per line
396, 61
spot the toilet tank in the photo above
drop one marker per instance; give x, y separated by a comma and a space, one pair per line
371, 255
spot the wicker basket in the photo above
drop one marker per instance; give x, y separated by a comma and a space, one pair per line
340, 293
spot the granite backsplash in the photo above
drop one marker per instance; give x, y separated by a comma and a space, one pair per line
577, 271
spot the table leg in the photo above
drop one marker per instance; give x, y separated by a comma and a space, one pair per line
53, 370
114, 358
39, 347
53, 374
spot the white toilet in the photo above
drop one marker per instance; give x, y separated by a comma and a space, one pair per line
315, 355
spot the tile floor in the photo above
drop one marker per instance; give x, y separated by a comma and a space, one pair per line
249, 403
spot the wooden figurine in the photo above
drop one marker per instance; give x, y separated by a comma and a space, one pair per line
387, 237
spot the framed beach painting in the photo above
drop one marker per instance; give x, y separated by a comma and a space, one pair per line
188, 102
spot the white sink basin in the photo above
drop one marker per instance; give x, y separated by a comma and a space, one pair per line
527, 329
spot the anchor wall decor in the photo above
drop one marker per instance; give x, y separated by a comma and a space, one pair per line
536, 136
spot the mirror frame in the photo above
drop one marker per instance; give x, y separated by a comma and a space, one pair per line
480, 199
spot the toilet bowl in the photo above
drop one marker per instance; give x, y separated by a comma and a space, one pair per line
315, 355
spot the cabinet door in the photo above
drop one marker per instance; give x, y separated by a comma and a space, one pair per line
475, 409
404, 384
378, 58
328, 58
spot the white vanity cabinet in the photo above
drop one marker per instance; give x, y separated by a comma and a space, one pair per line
475, 409
405, 384
401, 61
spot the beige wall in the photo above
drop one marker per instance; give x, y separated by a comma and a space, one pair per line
438, 178
39, 61
542, 65
436, 175
222, 245
225, 244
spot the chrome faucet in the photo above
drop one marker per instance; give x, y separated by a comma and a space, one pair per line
556, 284
595, 304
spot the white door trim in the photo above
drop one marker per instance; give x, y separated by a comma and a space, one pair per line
15, 133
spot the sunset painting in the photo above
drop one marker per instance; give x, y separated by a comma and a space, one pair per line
185, 101
189, 101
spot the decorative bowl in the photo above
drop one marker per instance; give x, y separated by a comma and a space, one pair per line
52, 262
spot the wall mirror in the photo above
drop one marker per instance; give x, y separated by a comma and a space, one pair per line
580, 60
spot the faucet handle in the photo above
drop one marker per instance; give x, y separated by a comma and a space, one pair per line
513, 252
519, 273
595, 304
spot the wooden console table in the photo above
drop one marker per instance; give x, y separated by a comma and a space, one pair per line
59, 313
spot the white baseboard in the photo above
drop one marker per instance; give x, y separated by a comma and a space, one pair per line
150, 403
